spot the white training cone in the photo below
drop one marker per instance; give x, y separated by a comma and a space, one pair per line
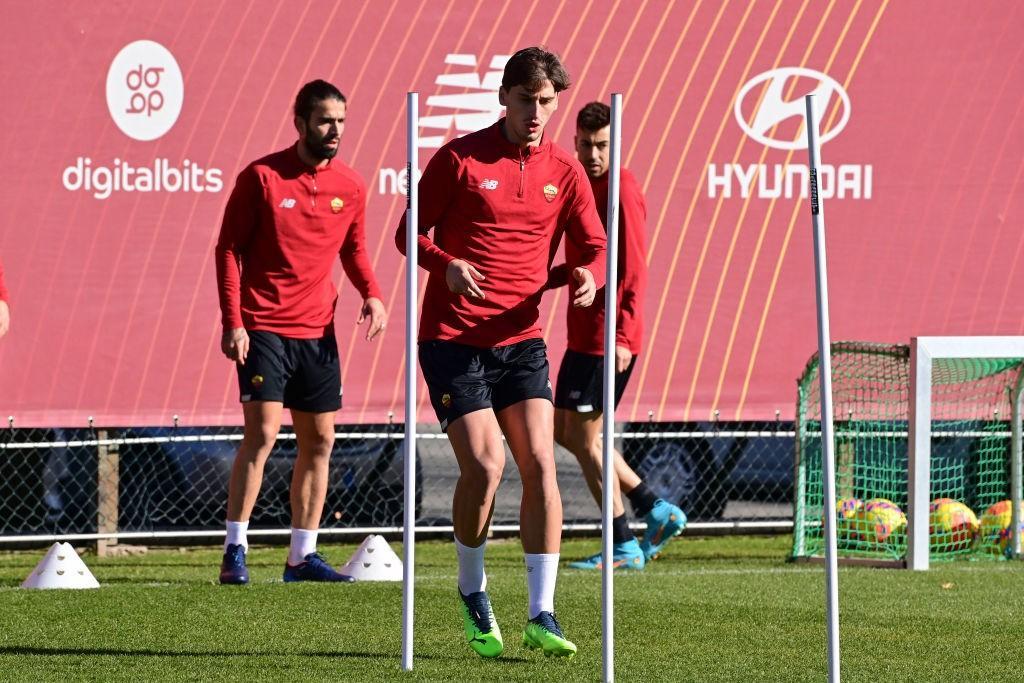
61, 567
374, 561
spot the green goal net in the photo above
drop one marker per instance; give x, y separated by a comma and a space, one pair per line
970, 460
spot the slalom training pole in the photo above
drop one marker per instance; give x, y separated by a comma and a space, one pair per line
411, 293
825, 377
608, 460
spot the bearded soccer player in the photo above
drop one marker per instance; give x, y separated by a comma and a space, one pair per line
579, 391
290, 215
499, 201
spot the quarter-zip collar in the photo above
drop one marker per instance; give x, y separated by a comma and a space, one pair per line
521, 155
312, 172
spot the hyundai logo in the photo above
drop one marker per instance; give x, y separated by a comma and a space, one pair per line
774, 109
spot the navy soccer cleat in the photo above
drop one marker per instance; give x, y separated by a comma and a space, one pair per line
314, 568
232, 567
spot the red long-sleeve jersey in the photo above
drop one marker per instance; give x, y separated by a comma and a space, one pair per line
503, 210
4, 294
284, 225
585, 326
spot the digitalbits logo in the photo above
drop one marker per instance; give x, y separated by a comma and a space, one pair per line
145, 90
145, 93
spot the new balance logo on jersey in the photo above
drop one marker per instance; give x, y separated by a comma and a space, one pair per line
287, 203
488, 184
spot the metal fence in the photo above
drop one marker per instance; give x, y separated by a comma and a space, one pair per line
172, 481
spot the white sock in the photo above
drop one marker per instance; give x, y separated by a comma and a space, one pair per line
541, 574
472, 578
236, 535
303, 543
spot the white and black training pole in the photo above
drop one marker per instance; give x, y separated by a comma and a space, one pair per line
828, 457
411, 297
608, 443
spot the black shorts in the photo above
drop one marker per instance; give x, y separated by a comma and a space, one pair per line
580, 385
304, 374
462, 379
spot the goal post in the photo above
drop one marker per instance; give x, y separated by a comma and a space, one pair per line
924, 352
928, 449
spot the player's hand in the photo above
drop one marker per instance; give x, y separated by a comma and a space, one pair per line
462, 279
585, 293
373, 308
5, 318
235, 345
623, 357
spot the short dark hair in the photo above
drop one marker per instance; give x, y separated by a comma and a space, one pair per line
313, 93
532, 66
593, 117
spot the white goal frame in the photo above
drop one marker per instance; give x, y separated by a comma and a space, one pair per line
923, 351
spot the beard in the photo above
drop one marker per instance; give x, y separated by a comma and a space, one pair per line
317, 146
320, 150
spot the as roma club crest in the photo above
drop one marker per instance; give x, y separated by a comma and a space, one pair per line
446, 400
550, 192
337, 205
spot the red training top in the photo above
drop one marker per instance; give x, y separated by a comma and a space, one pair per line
586, 325
4, 294
284, 224
503, 210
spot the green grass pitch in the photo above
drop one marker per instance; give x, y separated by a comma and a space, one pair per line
715, 609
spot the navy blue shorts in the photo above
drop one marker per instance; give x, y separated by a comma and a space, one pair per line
304, 374
580, 386
462, 379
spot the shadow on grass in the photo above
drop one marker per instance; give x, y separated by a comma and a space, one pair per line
114, 652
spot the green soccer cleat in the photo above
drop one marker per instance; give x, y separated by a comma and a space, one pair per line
482, 632
664, 522
543, 633
626, 555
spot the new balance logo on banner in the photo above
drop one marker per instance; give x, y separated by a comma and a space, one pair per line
472, 104
468, 101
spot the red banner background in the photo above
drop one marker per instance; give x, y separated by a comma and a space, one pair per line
114, 307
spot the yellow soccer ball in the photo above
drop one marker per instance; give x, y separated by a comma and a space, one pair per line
878, 521
995, 526
951, 524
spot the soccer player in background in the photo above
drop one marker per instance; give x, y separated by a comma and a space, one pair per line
5, 311
579, 391
498, 201
290, 215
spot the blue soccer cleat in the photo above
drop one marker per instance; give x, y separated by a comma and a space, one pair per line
626, 555
314, 568
232, 567
664, 522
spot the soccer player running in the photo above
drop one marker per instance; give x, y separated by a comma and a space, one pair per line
499, 201
290, 215
579, 392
